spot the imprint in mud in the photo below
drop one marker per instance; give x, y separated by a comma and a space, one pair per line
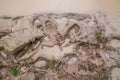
64, 46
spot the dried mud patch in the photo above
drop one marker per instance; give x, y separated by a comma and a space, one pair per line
66, 46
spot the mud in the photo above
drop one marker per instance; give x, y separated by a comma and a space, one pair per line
65, 46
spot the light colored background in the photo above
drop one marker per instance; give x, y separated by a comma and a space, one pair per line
27, 7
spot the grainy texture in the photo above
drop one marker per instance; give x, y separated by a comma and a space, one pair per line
64, 46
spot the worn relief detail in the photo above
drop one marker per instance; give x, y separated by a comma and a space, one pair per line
64, 46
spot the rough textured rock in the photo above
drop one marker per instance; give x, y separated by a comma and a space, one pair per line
66, 46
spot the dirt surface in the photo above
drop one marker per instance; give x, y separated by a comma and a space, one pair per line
66, 46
